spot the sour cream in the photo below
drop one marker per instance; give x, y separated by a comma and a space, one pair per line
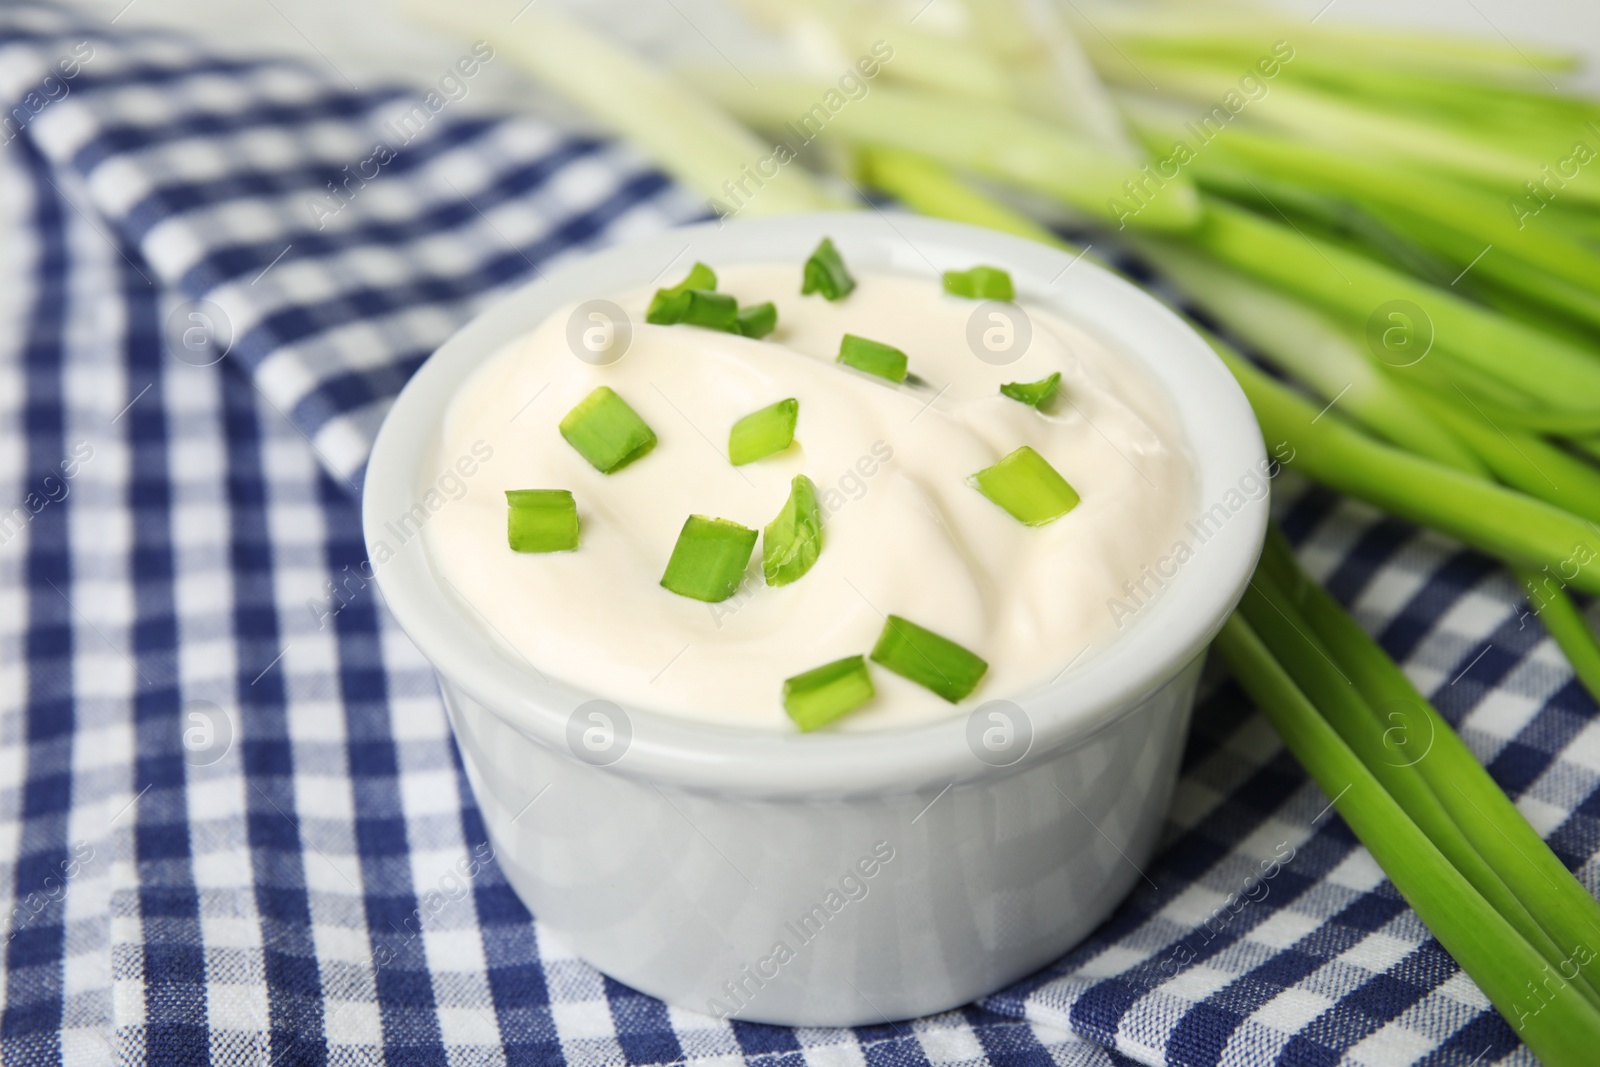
904, 532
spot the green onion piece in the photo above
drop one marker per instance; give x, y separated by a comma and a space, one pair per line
1033, 393
700, 276
541, 520
980, 283
709, 559
823, 694
792, 542
826, 273
761, 433
606, 431
758, 320
699, 307
874, 357
1028, 487
934, 662
717, 311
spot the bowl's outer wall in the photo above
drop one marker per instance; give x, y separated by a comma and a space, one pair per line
687, 895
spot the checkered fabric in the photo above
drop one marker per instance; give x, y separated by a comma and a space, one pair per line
224, 796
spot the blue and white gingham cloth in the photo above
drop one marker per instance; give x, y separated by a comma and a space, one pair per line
317, 890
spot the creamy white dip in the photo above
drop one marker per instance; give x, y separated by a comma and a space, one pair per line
904, 533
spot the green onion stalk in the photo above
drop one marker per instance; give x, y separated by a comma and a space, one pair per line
1317, 352
1235, 36
1317, 116
972, 136
1458, 219
1483, 105
1041, 55
1561, 1027
1521, 459
1478, 806
1489, 517
927, 186
1371, 735
922, 57
685, 135
1547, 370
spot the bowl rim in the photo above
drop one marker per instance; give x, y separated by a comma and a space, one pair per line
1218, 428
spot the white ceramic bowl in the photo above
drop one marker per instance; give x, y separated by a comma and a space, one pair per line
832, 879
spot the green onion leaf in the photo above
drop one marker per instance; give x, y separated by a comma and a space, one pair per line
606, 431
1476, 804
758, 320
823, 694
709, 559
826, 273
541, 520
1026, 486
874, 357
792, 542
1487, 516
700, 276
761, 433
699, 307
934, 662
1560, 1029
1378, 734
1036, 393
980, 283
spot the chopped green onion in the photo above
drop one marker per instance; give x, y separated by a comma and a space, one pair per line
1028, 487
709, 559
761, 433
606, 431
792, 542
874, 357
717, 311
826, 273
700, 276
980, 283
758, 320
1036, 393
700, 307
934, 662
823, 694
541, 520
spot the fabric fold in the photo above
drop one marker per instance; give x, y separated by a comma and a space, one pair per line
337, 236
